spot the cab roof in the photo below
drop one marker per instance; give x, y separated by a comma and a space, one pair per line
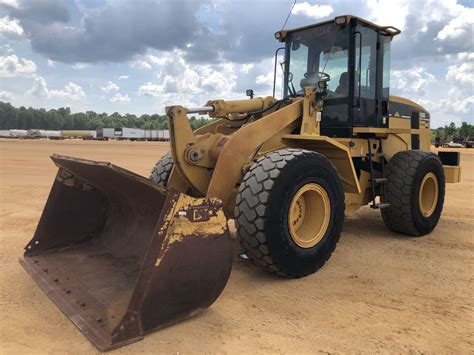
341, 21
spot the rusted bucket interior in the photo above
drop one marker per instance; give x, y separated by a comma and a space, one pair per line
121, 256
93, 236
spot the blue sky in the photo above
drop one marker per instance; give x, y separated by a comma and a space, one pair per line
139, 56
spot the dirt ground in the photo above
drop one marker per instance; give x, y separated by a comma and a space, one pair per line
380, 292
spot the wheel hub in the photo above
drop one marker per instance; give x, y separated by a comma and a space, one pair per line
428, 196
308, 215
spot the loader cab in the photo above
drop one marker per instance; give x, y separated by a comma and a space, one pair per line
356, 56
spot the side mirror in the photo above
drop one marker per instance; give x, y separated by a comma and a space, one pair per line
249, 93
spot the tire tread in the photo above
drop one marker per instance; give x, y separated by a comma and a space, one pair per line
162, 170
252, 202
401, 173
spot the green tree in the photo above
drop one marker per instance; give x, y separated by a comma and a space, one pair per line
62, 118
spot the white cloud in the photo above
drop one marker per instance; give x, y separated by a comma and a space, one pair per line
140, 64
39, 88
459, 83
80, 66
220, 78
460, 26
389, 12
180, 82
462, 74
5, 49
146, 61
160, 60
11, 65
120, 98
150, 89
412, 81
10, 28
458, 102
5, 96
266, 79
178, 76
71, 90
51, 63
312, 11
459, 57
245, 68
12, 3
466, 56
123, 77
110, 87
460, 96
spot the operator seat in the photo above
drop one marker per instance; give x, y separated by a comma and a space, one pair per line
343, 84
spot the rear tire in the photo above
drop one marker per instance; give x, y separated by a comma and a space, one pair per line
415, 192
264, 219
162, 170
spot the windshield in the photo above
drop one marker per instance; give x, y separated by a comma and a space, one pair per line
322, 49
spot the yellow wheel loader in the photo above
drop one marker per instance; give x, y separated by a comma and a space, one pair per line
122, 255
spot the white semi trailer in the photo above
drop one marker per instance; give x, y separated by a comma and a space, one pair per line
165, 135
104, 134
44, 133
157, 134
152, 134
133, 134
19, 133
5, 133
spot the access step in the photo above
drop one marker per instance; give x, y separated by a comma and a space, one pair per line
379, 180
379, 205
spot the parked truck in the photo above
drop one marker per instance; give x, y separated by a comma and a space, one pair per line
132, 134
165, 135
5, 133
104, 134
19, 133
44, 133
152, 134
84, 134
157, 135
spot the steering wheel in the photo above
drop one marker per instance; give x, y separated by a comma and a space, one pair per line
322, 75
312, 79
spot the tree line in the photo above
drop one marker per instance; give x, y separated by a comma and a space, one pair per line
62, 118
465, 131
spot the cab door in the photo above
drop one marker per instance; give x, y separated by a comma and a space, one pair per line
370, 91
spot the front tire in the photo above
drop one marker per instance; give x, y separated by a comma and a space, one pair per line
162, 170
415, 192
290, 211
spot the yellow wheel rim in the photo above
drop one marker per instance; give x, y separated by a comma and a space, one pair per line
309, 214
428, 196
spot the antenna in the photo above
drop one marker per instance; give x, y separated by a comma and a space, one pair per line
289, 13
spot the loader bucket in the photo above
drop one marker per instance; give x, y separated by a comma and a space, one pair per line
121, 256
